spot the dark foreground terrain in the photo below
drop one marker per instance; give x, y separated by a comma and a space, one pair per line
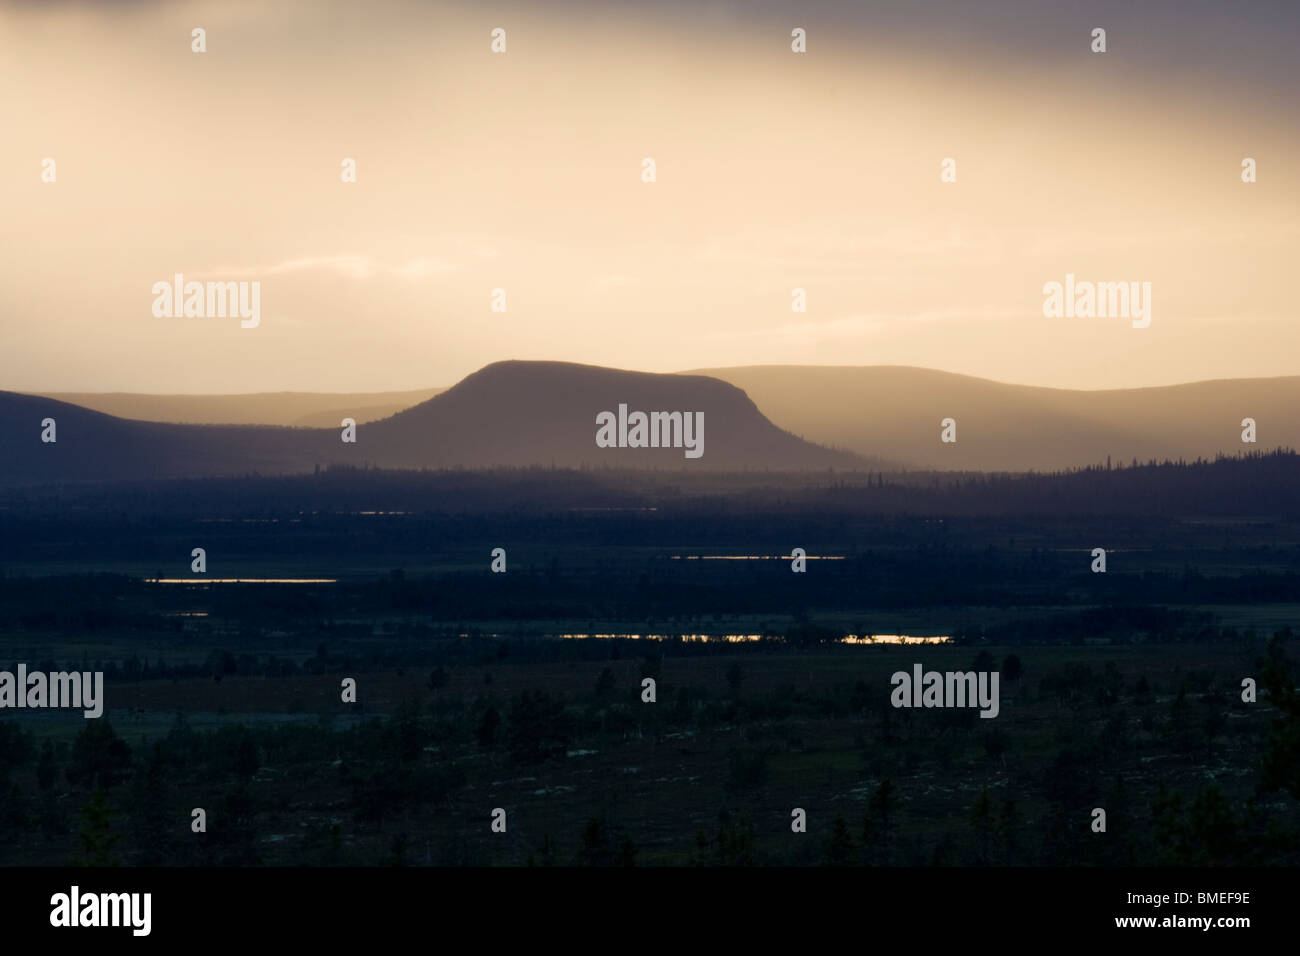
478, 690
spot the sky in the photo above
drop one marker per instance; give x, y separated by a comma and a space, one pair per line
523, 171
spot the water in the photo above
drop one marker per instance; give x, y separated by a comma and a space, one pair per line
754, 557
744, 638
202, 580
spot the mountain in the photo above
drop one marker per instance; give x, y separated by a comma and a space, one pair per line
308, 409
522, 413
543, 413
509, 413
92, 446
895, 412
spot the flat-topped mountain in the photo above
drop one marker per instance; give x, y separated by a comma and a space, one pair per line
509, 413
522, 413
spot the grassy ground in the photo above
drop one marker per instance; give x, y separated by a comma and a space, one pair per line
785, 733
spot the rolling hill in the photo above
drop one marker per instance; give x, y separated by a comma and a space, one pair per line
895, 412
521, 413
306, 409
508, 413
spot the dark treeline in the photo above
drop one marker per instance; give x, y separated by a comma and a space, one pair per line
1247, 484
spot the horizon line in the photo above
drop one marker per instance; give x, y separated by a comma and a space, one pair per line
702, 371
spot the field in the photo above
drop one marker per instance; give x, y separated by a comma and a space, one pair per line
1120, 691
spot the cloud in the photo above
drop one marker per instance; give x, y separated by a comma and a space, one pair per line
845, 248
349, 266
863, 325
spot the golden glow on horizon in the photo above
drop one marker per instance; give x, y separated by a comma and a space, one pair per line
522, 171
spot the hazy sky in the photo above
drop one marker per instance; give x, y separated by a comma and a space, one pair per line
522, 171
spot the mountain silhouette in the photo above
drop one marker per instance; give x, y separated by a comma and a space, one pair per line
310, 409
895, 412
507, 414
523, 413
92, 446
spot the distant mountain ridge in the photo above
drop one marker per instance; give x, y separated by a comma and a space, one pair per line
895, 412
506, 414
306, 409
541, 413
